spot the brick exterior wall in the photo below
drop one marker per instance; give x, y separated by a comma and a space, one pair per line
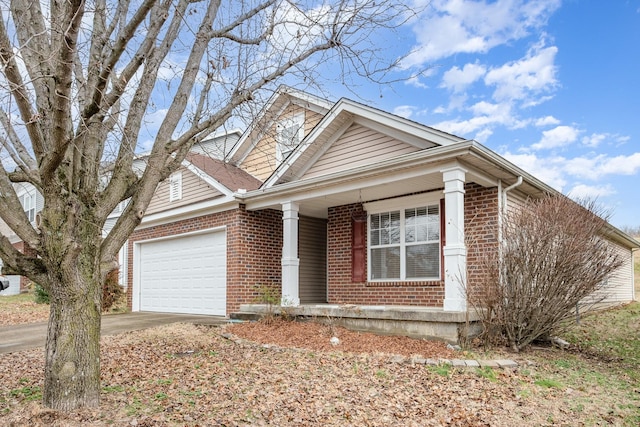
481, 231
27, 250
254, 249
481, 214
342, 291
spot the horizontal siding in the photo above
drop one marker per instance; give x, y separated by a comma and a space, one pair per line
312, 252
194, 190
357, 147
261, 162
619, 287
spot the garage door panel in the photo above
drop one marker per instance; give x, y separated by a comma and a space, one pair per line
184, 275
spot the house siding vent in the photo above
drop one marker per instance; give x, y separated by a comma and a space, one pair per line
175, 187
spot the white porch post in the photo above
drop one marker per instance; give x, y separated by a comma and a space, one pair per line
290, 260
455, 250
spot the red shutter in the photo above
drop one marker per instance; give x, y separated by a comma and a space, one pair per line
358, 248
443, 237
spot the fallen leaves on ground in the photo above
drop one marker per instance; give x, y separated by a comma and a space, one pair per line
185, 375
317, 336
22, 311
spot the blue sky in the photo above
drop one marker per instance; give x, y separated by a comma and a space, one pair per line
551, 85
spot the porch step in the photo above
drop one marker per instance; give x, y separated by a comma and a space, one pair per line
245, 315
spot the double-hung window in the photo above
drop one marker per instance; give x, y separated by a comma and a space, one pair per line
28, 201
404, 244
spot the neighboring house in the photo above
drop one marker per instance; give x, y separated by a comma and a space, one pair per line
32, 203
335, 203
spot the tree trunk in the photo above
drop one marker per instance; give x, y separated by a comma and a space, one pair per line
72, 365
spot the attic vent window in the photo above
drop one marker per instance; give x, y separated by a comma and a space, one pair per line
175, 186
290, 132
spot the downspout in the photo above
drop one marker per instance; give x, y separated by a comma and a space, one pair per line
502, 207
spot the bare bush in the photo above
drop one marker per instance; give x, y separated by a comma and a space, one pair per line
553, 255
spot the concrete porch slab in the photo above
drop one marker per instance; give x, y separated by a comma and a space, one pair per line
416, 322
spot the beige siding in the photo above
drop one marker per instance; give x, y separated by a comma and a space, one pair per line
5, 230
619, 287
312, 251
358, 146
261, 161
194, 190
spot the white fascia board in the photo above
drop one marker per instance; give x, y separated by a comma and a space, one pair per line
259, 134
249, 131
396, 122
396, 165
402, 167
303, 99
207, 178
305, 144
311, 102
189, 211
394, 126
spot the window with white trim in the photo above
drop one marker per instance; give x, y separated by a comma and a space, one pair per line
404, 244
28, 201
290, 132
175, 186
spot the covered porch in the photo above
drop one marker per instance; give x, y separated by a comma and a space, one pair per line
462, 185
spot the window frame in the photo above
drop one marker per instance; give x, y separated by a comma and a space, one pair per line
401, 205
31, 211
282, 125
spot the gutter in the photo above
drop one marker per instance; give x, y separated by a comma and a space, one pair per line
502, 207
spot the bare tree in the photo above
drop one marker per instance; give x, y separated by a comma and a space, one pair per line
83, 84
553, 256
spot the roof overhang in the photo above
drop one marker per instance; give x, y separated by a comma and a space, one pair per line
409, 173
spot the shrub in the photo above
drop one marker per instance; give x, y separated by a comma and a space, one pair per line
111, 292
41, 295
553, 255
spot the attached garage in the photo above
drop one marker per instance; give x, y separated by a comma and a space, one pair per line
183, 274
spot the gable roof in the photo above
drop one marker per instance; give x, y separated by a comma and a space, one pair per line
283, 97
216, 173
335, 123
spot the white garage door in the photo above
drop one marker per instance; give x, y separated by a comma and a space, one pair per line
184, 275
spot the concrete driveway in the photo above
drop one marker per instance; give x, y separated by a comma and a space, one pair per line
33, 335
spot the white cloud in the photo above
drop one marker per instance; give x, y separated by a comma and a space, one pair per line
457, 79
448, 27
546, 121
483, 135
559, 136
596, 139
549, 170
526, 78
405, 111
597, 166
456, 102
583, 191
619, 165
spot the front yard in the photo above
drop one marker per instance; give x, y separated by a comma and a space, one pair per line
185, 375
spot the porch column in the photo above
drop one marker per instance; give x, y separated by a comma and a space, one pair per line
455, 250
290, 260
